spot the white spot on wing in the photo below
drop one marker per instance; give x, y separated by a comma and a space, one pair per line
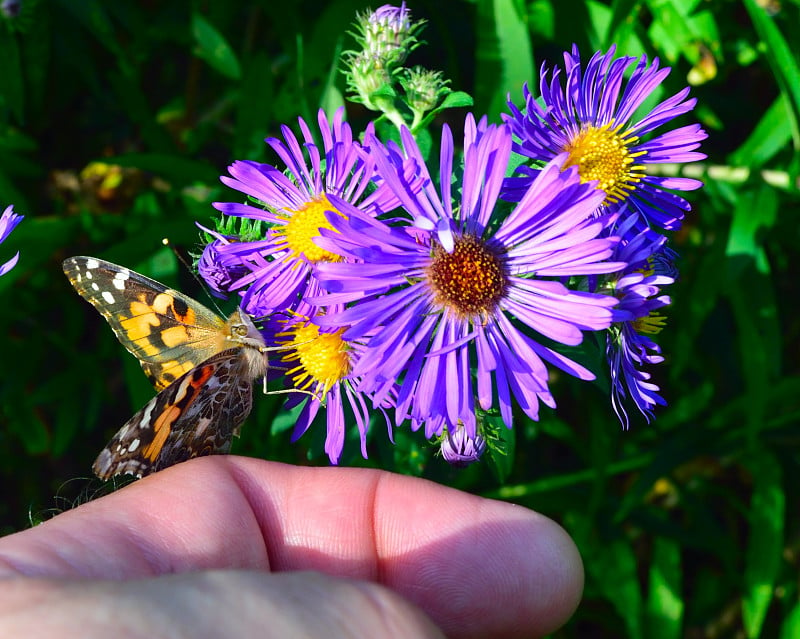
120, 278
148, 410
108, 297
92, 263
95, 287
133, 445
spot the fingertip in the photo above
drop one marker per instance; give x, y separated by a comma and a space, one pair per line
501, 571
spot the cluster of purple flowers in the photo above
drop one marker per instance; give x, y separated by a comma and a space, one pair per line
431, 300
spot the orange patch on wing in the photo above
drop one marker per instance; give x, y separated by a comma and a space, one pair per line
176, 368
163, 425
141, 322
175, 336
165, 302
162, 428
203, 375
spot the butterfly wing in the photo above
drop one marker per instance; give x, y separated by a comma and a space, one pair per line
168, 332
196, 415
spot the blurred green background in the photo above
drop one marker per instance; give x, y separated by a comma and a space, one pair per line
116, 120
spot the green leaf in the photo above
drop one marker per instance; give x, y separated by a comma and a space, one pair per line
783, 63
755, 212
623, 14
332, 98
504, 56
452, 100
212, 47
501, 446
673, 28
791, 625
765, 542
768, 137
612, 567
664, 602
456, 99
599, 20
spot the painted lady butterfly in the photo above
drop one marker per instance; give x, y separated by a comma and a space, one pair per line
202, 365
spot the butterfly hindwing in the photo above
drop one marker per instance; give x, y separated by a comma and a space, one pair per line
196, 415
168, 332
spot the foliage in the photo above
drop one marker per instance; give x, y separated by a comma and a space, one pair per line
116, 120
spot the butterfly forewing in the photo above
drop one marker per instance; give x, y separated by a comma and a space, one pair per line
168, 332
203, 365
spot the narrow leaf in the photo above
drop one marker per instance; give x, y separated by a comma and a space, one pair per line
765, 543
212, 47
665, 603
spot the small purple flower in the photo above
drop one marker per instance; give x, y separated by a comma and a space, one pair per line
8, 221
629, 348
278, 266
217, 268
461, 450
389, 19
464, 286
387, 35
592, 120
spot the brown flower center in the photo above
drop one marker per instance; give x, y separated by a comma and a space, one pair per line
471, 280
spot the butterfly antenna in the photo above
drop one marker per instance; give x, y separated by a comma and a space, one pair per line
165, 241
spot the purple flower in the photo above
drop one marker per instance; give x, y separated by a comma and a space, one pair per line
387, 35
592, 120
217, 268
8, 221
293, 205
320, 362
464, 286
628, 345
461, 450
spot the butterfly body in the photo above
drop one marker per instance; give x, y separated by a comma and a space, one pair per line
202, 365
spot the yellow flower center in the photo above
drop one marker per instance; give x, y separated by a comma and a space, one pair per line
650, 324
303, 225
603, 154
323, 359
471, 280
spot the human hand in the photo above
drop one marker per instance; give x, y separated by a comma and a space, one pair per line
229, 546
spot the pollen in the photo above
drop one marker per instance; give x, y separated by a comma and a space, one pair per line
603, 154
303, 225
471, 280
650, 324
322, 359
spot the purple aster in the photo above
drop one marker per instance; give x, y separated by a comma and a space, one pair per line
465, 286
628, 345
8, 222
292, 204
461, 450
320, 362
592, 119
217, 268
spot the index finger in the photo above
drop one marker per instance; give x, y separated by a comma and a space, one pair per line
473, 563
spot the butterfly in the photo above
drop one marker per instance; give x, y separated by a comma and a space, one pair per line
202, 365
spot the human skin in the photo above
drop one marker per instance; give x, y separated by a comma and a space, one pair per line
232, 546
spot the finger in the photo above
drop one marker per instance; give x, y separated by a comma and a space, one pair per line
209, 604
472, 563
